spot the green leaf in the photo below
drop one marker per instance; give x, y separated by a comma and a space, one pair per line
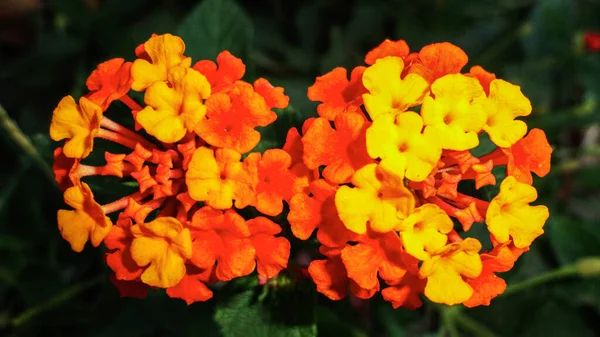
214, 26
551, 27
285, 311
572, 239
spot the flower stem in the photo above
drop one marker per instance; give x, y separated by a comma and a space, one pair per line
60, 298
553, 275
14, 132
131, 104
472, 326
448, 321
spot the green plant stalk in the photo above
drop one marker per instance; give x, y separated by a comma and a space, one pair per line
472, 326
14, 132
553, 275
448, 321
58, 299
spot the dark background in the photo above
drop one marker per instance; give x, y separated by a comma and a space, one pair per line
48, 48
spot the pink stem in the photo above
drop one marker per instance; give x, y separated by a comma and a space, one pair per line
117, 138
122, 203
118, 128
131, 104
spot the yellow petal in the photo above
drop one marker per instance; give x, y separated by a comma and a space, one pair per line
176, 108
400, 140
166, 52
443, 272
219, 178
162, 245
382, 137
504, 103
166, 272
378, 198
86, 222
164, 227
354, 207
388, 93
162, 124
510, 214
446, 286
144, 249
79, 124
454, 111
424, 231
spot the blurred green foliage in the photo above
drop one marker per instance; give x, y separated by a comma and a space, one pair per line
48, 51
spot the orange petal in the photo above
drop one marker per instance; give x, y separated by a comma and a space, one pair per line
119, 258
110, 81
441, 59
362, 262
337, 93
274, 96
387, 48
230, 69
485, 288
330, 277
192, 287
293, 145
62, 166
236, 260
272, 253
405, 295
484, 77
530, 154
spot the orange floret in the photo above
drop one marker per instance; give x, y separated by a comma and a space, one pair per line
387, 48
342, 150
109, 82
329, 275
405, 294
222, 77
223, 238
439, 59
318, 210
530, 154
274, 96
118, 242
484, 77
192, 287
272, 253
377, 255
487, 285
337, 94
272, 180
232, 117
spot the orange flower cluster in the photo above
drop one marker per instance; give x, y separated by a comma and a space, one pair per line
180, 230
380, 175
393, 147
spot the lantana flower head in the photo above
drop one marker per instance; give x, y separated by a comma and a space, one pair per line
424, 115
180, 230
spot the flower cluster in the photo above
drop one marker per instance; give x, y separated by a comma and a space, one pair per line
180, 230
381, 175
393, 147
